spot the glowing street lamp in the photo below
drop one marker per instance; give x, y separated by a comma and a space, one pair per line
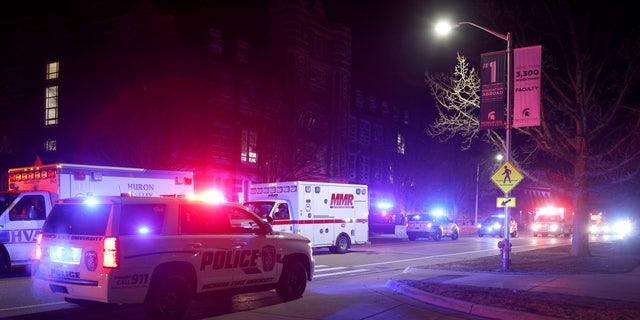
444, 28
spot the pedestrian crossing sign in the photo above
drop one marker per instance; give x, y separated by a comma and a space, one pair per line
506, 177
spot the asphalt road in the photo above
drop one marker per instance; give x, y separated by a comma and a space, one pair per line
349, 286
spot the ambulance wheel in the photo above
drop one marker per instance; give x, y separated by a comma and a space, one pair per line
342, 245
293, 281
168, 298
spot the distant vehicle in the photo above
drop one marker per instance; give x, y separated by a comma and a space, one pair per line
163, 252
601, 226
552, 221
34, 190
431, 226
494, 226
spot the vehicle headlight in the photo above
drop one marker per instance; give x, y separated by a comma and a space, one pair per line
554, 227
496, 225
622, 227
593, 229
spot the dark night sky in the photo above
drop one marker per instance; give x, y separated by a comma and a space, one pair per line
394, 39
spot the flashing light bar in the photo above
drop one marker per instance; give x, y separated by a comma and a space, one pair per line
32, 175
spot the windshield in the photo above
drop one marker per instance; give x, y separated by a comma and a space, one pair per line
6, 199
262, 209
78, 218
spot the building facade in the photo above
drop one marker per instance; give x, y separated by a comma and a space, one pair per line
236, 93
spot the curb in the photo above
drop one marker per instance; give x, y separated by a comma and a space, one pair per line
462, 306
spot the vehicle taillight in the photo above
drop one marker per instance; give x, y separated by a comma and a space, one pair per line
38, 252
110, 253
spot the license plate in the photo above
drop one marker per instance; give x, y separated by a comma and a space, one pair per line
65, 254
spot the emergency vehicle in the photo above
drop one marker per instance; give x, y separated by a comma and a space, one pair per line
163, 252
553, 221
331, 215
33, 191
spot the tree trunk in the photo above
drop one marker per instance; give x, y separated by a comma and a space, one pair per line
580, 241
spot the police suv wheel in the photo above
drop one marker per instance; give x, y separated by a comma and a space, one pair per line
168, 298
454, 235
437, 236
293, 281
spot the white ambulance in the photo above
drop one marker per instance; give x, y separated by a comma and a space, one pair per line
34, 190
331, 215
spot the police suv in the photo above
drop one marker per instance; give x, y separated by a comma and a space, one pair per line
431, 226
163, 252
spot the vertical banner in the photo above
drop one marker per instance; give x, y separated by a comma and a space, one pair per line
527, 69
493, 78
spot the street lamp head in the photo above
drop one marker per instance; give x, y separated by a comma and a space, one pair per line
444, 27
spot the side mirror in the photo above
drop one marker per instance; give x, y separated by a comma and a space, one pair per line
268, 228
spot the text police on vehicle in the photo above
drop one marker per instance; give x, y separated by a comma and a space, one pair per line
163, 252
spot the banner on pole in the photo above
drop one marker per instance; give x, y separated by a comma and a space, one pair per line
527, 70
493, 87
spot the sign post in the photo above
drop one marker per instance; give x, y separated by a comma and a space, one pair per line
506, 178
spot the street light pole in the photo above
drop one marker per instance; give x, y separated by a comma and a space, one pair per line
475, 220
443, 28
497, 158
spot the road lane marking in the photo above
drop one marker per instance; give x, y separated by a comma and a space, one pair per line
338, 273
537, 246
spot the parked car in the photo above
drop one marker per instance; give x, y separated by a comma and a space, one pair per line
494, 226
430, 226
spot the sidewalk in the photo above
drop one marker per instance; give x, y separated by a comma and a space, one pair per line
621, 287
624, 286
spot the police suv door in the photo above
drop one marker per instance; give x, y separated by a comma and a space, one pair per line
255, 253
206, 231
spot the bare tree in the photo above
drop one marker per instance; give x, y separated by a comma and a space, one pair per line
590, 119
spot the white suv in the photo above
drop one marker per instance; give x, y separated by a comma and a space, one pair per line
431, 226
163, 252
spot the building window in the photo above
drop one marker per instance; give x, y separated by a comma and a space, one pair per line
365, 132
52, 70
243, 52
51, 106
352, 167
50, 145
400, 144
365, 164
248, 153
353, 129
215, 41
373, 106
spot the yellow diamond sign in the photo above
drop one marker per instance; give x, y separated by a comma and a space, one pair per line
506, 177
